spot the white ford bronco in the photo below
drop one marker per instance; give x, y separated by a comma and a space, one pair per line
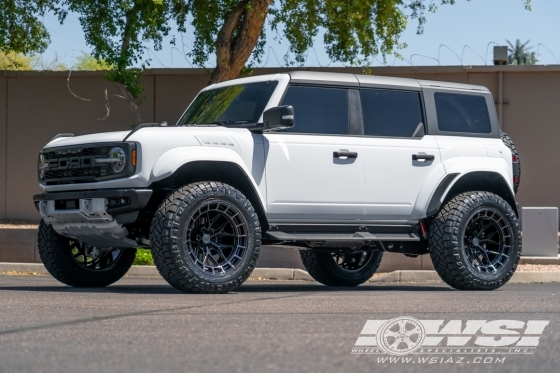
342, 167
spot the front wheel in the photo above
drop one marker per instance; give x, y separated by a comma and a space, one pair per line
475, 241
205, 238
78, 264
343, 269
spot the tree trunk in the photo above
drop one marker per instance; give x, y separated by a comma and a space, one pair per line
132, 104
237, 38
131, 19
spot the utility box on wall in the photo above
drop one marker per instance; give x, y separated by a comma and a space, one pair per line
540, 231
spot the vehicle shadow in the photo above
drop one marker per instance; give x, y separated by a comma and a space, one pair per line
249, 288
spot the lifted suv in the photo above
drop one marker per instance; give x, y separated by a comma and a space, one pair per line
342, 167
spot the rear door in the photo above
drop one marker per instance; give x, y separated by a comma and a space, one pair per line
399, 157
315, 171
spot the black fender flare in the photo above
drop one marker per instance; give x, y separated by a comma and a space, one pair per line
478, 180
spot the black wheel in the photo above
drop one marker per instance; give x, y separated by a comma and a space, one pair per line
475, 242
78, 264
515, 160
206, 238
341, 269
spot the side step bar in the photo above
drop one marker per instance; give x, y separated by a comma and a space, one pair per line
330, 237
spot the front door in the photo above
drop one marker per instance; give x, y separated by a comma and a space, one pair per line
315, 171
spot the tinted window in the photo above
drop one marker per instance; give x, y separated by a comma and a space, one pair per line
318, 110
462, 113
391, 113
234, 104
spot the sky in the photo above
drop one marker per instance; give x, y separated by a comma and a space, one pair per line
460, 34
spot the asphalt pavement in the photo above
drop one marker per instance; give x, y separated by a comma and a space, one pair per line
144, 325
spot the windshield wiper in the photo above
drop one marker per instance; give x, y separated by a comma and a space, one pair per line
219, 123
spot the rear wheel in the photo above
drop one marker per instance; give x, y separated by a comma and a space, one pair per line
78, 264
339, 268
475, 241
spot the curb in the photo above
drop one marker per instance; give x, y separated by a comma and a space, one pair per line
288, 274
433, 277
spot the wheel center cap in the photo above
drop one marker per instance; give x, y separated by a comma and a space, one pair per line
206, 238
475, 241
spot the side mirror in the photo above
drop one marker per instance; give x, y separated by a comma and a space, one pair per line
279, 117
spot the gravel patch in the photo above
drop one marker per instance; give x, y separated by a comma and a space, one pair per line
23, 273
538, 268
18, 224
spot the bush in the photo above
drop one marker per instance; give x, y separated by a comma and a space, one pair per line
143, 257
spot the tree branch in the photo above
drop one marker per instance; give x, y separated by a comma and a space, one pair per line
232, 52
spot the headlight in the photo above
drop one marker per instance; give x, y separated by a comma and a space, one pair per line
42, 166
117, 159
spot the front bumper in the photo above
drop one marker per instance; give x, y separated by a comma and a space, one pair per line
94, 217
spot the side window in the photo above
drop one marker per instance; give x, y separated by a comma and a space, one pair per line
318, 110
462, 113
391, 113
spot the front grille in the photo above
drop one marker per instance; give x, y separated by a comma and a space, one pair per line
99, 171
76, 164
56, 154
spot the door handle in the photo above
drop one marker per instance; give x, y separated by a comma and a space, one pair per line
345, 154
418, 157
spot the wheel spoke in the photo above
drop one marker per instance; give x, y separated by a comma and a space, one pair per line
224, 235
485, 254
416, 330
396, 343
402, 326
488, 233
352, 261
391, 333
407, 341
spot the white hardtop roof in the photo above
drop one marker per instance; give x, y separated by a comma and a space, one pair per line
357, 80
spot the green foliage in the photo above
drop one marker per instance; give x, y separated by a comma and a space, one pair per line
21, 27
519, 53
86, 61
233, 30
118, 29
14, 61
143, 257
354, 30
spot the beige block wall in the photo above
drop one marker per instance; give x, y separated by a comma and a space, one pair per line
3, 148
35, 106
532, 119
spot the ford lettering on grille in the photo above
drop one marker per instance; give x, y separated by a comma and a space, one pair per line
73, 165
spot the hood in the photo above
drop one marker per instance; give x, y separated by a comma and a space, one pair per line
156, 136
88, 139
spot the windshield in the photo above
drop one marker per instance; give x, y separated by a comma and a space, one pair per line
232, 105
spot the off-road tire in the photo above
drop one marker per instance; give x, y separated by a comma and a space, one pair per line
322, 267
517, 170
55, 252
167, 236
446, 240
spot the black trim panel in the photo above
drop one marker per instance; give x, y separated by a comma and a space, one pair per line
435, 202
355, 117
